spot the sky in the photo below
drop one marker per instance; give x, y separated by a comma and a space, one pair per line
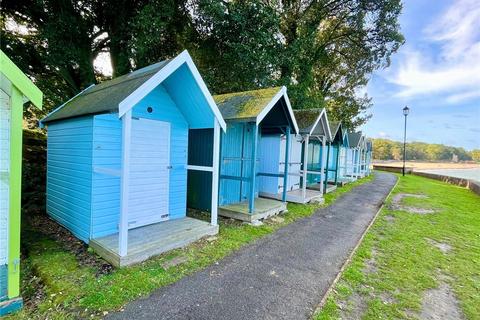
436, 73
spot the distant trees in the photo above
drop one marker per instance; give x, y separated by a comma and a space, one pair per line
384, 149
475, 153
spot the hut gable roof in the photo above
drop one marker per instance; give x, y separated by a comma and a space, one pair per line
246, 104
106, 96
122, 93
252, 105
355, 139
309, 120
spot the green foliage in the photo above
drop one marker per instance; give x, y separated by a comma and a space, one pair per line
401, 246
475, 155
384, 149
324, 51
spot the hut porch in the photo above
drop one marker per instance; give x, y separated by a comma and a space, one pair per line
316, 186
151, 240
297, 196
263, 209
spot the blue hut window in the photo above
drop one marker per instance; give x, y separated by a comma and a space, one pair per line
149, 109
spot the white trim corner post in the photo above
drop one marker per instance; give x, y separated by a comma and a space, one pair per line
323, 164
124, 183
305, 165
287, 163
215, 169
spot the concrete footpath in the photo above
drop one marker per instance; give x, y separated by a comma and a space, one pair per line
281, 276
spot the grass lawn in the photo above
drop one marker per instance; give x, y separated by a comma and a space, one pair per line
72, 290
412, 265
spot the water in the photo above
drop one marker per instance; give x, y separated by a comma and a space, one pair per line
472, 174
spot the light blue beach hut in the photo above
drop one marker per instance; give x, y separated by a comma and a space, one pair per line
250, 151
118, 161
306, 162
355, 155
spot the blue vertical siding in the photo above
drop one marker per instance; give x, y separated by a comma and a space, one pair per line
269, 154
3, 282
69, 174
231, 163
107, 151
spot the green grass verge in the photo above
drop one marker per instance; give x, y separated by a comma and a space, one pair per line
398, 261
73, 291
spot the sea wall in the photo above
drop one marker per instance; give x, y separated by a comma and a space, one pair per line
392, 168
470, 184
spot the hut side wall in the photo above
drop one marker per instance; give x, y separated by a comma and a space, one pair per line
107, 151
69, 174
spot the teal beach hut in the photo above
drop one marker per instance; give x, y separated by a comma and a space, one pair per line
334, 150
118, 161
250, 151
306, 164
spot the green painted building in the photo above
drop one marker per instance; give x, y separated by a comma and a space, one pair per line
15, 90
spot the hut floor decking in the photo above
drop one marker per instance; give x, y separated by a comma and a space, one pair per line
296, 196
264, 208
151, 240
316, 187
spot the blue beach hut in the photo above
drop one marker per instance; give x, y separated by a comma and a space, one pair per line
118, 161
250, 150
334, 150
306, 162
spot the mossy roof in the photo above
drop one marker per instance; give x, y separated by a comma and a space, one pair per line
106, 96
306, 119
246, 105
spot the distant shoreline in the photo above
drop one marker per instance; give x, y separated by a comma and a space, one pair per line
423, 165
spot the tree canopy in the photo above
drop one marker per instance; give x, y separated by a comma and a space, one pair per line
323, 50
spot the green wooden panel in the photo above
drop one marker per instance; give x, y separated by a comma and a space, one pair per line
15, 193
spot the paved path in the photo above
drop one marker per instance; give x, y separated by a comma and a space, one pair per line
281, 276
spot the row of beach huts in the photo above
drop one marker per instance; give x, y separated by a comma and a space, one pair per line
127, 157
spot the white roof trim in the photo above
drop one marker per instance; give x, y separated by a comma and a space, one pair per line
271, 104
140, 93
322, 113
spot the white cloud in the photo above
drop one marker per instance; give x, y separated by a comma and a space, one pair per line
448, 62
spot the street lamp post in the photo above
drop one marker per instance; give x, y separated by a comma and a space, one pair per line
405, 113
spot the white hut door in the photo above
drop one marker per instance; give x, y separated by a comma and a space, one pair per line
149, 172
